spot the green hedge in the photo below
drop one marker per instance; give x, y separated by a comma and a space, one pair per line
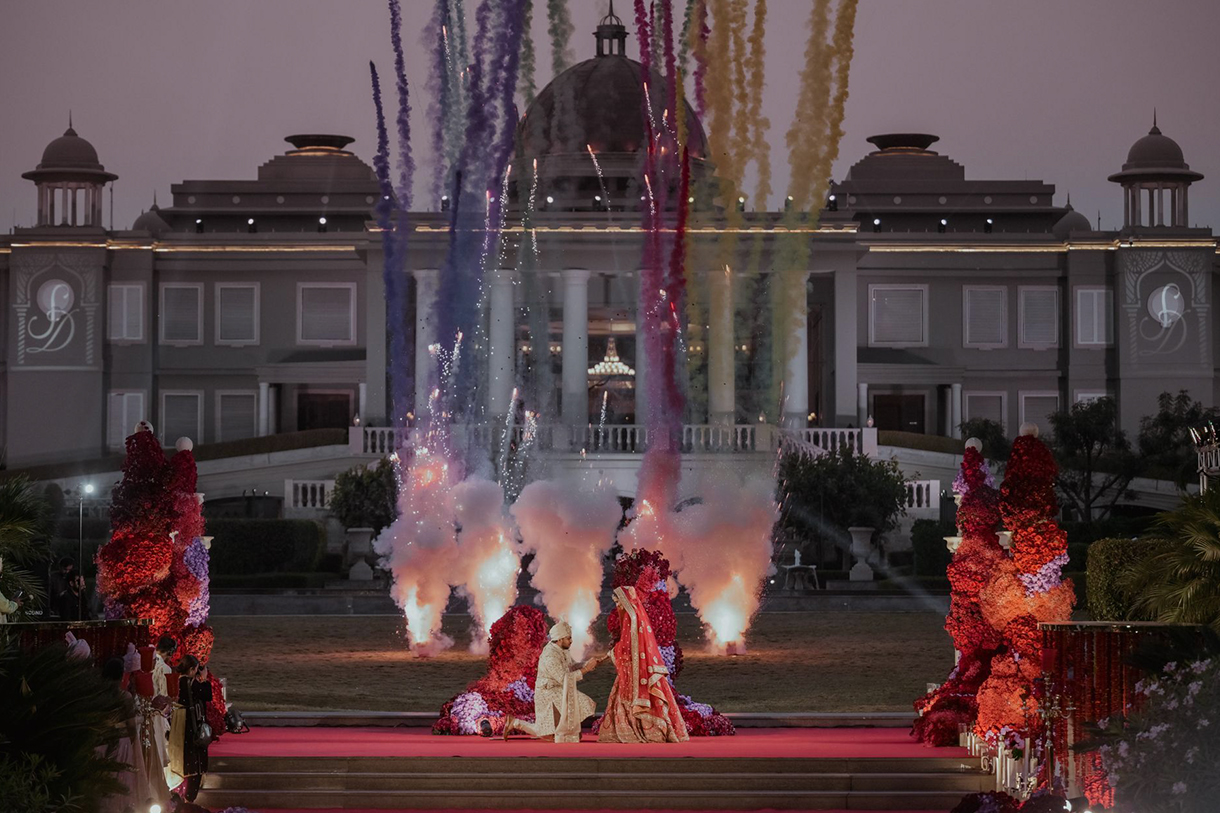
1086, 533
250, 546
915, 440
932, 556
1109, 561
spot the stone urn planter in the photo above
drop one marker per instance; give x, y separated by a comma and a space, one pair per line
953, 543
1005, 539
861, 549
358, 544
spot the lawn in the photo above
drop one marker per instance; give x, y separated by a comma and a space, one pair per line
823, 662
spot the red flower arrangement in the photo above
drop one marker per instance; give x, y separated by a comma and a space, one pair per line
517, 639
142, 570
953, 703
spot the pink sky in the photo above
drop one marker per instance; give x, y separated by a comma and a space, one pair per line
167, 89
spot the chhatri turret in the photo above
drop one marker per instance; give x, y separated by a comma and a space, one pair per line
70, 180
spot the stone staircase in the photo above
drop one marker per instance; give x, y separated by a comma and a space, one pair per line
506, 783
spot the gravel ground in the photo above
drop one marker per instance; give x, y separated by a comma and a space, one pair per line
831, 662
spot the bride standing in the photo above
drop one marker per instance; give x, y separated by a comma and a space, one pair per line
642, 707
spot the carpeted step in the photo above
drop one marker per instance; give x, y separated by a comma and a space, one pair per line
580, 798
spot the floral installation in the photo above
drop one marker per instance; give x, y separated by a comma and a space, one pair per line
1162, 759
1025, 588
1042, 801
517, 639
155, 565
943, 711
648, 572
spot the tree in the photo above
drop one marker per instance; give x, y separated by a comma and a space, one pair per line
1180, 581
821, 496
25, 520
1096, 463
365, 497
1164, 438
60, 720
996, 445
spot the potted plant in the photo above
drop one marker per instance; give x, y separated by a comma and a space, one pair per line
364, 500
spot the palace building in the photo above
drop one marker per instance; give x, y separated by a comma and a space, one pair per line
256, 307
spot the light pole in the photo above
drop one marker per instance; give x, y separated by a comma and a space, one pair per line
87, 488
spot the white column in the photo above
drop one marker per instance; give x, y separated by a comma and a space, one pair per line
955, 410
721, 392
796, 366
862, 404
73, 204
575, 347
425, 335
273, 410
501, 361
264, 408
641, 357
362, 402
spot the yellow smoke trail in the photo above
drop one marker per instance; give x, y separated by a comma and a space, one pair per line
813, 142
761, 124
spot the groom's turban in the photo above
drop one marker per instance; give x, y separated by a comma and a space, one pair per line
561, 630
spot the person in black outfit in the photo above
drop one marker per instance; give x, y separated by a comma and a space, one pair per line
194, 693
70, 605
58, 581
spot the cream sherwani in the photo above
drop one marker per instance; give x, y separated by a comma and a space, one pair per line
559, 708
160, 725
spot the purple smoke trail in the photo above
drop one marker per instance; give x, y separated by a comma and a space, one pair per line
487, 143
438, 83
671, 65
392, 267
406, 164
644, 35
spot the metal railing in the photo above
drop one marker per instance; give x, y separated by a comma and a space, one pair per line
380, 441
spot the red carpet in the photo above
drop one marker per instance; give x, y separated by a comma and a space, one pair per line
842, 743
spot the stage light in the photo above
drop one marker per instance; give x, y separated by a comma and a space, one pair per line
444, 203
691, 199
199, 225
940, 227
251, 226
788, 204
322, 224
987, 226
88, 488
549, 200
876, 224
154, 808
832, 203
741, 204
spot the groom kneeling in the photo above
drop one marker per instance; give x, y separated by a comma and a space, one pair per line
559, 708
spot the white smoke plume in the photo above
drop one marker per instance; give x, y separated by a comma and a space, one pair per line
489, 559
569, 530
420, 550
718, 548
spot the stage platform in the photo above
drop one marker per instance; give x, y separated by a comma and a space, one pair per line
379, 769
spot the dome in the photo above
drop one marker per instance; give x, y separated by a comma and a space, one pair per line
599, 103
1155, 150
1072, 221
151, 221
69, 150
1155, 158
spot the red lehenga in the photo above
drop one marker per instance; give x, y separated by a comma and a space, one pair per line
642, 707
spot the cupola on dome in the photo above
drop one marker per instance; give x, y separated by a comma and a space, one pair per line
69, 150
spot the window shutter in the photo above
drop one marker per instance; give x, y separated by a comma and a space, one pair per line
1039, 317
181, 418
1039, 408
180, 319
238, 413
898, 315
326, 314
1093, 322
985, 320
236, 317
126, 313
989, 406
123, 410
